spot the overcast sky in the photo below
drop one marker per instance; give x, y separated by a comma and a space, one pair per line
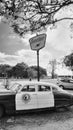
13, 49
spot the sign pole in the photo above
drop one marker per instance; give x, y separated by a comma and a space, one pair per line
38, 76
37, 43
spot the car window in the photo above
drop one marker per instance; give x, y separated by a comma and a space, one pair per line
44, 88
71, 81
54, 89
15, 87
28, 88
65, 80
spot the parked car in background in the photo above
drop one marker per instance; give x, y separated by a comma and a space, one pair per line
65, 83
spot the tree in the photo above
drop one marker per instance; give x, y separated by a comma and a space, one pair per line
68, 61
4, 70
42, 71
32, 73
52, 64
20, 70
32, 15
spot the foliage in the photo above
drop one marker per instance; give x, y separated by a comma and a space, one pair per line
4, 69
32, 15
20, 70
32, 73
68, 61
42, 71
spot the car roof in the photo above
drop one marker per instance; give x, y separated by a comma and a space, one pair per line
24, 83
38, 83
35, 83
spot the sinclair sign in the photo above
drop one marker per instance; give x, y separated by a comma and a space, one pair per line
38, 42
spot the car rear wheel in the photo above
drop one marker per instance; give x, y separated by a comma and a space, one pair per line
1, 111
61, 86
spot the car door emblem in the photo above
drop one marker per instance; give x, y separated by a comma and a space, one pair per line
26, 98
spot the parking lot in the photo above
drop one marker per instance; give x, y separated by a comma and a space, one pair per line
60, 119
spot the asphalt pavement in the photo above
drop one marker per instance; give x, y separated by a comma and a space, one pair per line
61, 119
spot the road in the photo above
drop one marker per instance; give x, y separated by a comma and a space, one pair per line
61, 119
55, 120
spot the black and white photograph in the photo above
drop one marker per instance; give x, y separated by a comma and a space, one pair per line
36, 64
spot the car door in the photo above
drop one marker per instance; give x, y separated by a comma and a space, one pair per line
45, 97
71, 84
27, 98
61, 98
68, 84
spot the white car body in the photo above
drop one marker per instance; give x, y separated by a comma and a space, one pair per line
30, 96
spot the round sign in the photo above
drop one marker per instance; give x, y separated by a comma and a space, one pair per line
26, 98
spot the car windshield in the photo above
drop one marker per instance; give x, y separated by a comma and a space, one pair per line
15, 87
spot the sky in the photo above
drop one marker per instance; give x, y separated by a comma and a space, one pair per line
13, 49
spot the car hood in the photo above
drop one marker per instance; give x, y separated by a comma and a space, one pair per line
5, 91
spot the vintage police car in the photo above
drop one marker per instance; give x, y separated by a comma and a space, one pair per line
30, 96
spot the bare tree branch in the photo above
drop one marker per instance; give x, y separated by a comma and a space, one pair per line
32, 15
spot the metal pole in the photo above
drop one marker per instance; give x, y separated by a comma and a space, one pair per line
38, 65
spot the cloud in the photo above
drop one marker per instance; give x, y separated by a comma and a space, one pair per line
45, 56
30, 57
26, 39
11, 36
23, 40
63, 71
27, 56
2, 55
59, 39
0, 18
8, 59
